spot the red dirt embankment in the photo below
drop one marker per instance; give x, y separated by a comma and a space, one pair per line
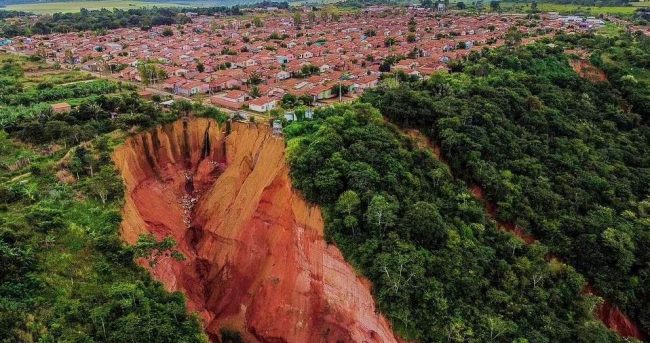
256, 260
587, 70
611, 316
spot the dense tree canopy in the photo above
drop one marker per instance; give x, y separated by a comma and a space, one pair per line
441, 271
104, 19
565, 158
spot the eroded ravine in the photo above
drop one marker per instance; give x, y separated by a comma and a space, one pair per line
256, 261
611, 316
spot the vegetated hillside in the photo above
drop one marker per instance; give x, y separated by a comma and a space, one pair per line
105, 19
440, 269
256, 265
66, 275
564, 158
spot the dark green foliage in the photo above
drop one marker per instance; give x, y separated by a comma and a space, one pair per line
440, 270
563, 157
92, 117
66, 276
104, 19
48, 94
152, 249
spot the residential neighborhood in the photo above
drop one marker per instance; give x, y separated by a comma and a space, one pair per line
254, 61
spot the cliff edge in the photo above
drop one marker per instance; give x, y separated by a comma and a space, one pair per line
256, 260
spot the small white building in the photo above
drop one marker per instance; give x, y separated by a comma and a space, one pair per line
263, 104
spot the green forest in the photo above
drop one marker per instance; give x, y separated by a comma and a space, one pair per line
104, 19
66, 274
565, 158
441, 271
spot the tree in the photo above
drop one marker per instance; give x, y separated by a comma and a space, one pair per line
495, 5
340, 90
258, 22
150, 248
183, 107
410, 38
106, 185
289, 100
381, 213
255, 78
150, 73
214, 113
297, 19
347, 205
460, 5
424, 224
348, 202
513, 36
324, 15
255, 92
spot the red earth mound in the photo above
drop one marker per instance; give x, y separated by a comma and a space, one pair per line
256, 261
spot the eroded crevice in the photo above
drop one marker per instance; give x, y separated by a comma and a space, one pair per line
256, 261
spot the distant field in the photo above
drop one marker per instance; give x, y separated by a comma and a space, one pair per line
75, 6
572, 8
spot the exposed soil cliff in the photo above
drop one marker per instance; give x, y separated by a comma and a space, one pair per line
256, 260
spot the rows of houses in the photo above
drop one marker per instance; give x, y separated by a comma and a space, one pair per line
239, 64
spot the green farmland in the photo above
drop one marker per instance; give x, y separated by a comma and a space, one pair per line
76, 6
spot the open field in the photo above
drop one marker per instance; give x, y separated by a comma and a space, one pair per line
76, 6
571, 8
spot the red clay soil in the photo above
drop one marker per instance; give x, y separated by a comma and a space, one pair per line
587, 70
615, 319
256, 260
491, 210
611, 316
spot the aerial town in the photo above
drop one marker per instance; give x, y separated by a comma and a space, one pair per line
253, 62
335, 171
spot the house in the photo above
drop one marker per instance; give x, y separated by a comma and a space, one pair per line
61, 107
282, 75
226, 82
321, 92
263, 104
192, 88
172, 82
225, 103
366, 82
179, 71
237, 96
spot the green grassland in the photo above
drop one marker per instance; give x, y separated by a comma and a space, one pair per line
571, 9
76, 6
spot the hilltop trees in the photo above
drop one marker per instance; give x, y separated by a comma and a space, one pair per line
564, 157
87, 20
440, 270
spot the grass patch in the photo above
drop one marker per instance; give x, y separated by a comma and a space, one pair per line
76, 6
56, 77
571, 9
